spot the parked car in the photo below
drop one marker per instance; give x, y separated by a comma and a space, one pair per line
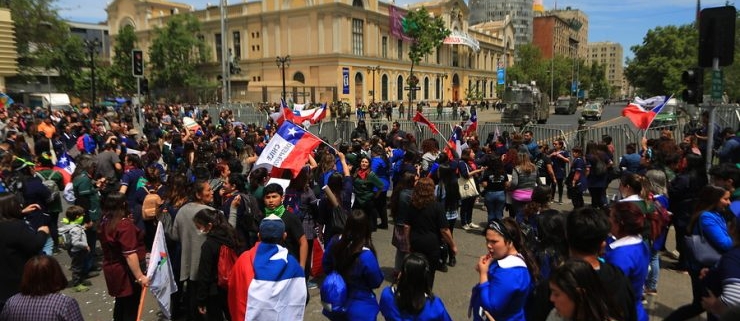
592, 111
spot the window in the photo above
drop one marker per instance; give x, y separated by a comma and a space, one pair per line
400, 49
237, 43
384, 88
438, 88
357, 3
426, 88
299, 77
384, 47
454, 56
439, 54
357, 37
219, 49
399, 89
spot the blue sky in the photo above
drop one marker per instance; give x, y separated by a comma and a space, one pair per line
622, 21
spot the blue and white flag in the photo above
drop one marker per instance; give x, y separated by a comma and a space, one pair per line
65, 162
161, 279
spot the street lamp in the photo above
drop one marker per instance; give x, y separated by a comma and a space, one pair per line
373, 69
92, 47
281, 63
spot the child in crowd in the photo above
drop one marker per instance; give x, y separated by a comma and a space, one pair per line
72, 234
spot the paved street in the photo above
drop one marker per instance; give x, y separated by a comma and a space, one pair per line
453, 287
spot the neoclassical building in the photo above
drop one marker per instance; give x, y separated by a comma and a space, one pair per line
339, 50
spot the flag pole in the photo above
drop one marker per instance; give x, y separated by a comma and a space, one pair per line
141, 303
319, 138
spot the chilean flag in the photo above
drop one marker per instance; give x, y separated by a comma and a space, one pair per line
472, 124
66, 167
419, 118
289, 148
311, 115
284, 114
643, 112
454, 144
267, 283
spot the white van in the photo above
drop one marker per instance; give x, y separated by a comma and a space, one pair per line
55, 101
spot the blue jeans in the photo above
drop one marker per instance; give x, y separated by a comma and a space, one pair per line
651, 283
495, 202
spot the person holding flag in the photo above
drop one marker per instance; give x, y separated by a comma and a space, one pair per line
288, 149
471, 125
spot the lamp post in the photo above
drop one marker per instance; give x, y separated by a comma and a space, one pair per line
93, 47
373, 70
281, 63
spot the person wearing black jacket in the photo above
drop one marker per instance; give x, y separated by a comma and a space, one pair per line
587, 229
210, 297
682, 192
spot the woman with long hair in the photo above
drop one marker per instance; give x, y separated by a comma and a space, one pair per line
467, 169
400, 209
629, 251
368, 186
506, 273
560, 158
124, 256
523, 181
411, 297
683, 191
578, 294
495, 182
428, 226
210, 297
40, 298
381, 166
341, 188
257, 180
18, 243
597, 161
448, 194
430, 152
707, 220
353, 256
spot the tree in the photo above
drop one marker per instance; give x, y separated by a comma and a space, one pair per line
426, 33
175, 54
120, 70
664, 54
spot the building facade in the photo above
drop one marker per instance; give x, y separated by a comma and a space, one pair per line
8, 52
339, 50
554, 36
609, 55
519, 11
577, 20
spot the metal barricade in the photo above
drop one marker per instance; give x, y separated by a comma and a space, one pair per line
621, 136
546, 134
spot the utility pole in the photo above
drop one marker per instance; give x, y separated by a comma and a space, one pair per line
224, 56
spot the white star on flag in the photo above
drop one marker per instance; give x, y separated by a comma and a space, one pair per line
292, 131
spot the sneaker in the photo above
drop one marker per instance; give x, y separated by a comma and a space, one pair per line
312, 285
466, 227
473, 225
81, 288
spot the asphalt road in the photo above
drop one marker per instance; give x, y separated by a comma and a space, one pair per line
453, 287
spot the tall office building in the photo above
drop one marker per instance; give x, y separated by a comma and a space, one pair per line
610, 55
578, 22
519, 11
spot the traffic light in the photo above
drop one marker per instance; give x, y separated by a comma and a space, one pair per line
694, 81
144, 86
137, 62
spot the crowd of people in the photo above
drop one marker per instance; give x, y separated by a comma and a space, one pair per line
202, 182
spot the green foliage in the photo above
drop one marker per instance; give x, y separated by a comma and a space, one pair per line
426, 31
175, 54
38, 33
664, 54
120, 71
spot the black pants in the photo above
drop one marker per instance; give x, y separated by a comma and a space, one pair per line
79, 266
217, 308
598, 195
381, 208
559, 187
371, 212
126, 308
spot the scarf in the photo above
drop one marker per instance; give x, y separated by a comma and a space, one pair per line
278, 211
362, 173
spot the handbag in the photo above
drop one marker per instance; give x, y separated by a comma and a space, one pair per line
701, 250
399, 239
467, 187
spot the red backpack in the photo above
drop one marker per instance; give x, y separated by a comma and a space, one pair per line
226, 260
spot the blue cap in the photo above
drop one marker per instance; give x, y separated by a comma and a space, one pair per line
272, 229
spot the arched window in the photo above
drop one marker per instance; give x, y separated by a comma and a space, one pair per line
358, 3
384, 88
399, 89
299, 77
438, 88
426, 88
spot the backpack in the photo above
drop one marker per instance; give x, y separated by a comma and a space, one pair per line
65, 239
50, 184
14, 184
150, 206
226, 260
81, 143
333, 293
338, 218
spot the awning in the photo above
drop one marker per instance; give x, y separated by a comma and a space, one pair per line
460, 38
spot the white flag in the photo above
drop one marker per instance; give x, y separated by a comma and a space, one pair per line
161, 279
